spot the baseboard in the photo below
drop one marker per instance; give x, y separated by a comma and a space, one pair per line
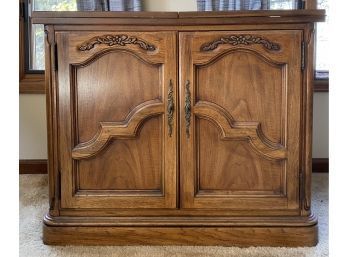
40, 166
320, 165
33, 166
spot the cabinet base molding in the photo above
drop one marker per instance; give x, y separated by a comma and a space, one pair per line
224, 236
303, 231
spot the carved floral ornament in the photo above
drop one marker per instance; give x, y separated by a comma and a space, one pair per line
241, 40
112, 40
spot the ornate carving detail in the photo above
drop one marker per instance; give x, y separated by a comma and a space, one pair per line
187, 108
112, 40
241, 40
170, 108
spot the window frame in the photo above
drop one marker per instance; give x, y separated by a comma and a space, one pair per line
33, 82
30, 82
319, 84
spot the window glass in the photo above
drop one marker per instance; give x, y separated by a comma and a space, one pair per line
54, 5
282, 4
322, 53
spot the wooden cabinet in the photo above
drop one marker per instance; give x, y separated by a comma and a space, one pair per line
165, 131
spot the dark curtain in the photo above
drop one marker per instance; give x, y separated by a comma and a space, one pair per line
226, 5
109, 5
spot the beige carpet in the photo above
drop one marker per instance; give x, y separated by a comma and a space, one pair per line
33, 205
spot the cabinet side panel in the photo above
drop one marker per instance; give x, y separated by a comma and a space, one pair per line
51, 85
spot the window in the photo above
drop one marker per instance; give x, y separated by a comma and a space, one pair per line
31, 43
322, 67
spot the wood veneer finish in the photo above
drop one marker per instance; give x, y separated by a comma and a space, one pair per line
158, 119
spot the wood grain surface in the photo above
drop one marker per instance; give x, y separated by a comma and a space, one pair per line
128, 164
105, 92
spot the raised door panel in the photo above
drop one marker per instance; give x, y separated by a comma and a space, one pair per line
117, 119
127, 164
120, 87
240, 119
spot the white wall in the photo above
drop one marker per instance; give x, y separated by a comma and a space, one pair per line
321, 125
32, 111
32, 127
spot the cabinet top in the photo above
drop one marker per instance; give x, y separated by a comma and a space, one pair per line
179, 18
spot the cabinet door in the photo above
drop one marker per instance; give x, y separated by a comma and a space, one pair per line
117, 119
240, 119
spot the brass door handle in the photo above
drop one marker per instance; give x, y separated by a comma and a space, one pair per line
170, 108
187, 108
